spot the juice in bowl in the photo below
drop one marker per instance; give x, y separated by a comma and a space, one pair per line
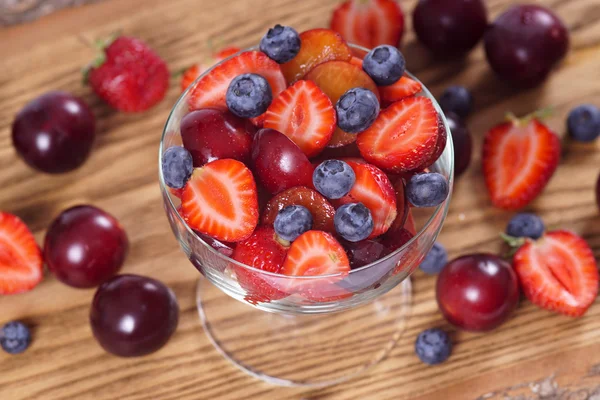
306, 178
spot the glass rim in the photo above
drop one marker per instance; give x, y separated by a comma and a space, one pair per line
442, 208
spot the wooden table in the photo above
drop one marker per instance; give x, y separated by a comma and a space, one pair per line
64, 362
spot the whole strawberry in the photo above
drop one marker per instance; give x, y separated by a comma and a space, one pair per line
129, 75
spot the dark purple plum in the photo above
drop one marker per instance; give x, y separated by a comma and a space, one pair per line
524, 43
54, 133
133, 316
450, 28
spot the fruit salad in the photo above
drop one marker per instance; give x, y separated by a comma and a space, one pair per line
302, 158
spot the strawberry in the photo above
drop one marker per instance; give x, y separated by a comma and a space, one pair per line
317, 46
519, 158
440, 145
403, 137
20, 256
322, 211
129, 75
210, 90
369, 23
374, 190
220, 200
315, 253
305, 114
558, 272
262, 251
404, 87
194, 71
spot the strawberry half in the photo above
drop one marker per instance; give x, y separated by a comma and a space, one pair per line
315, 253
305, 114
404, 87
519, 158
220, 200
369, 23
193, 72
263, 251
558, 272
403, 137
210, 90
374, 189
20, 256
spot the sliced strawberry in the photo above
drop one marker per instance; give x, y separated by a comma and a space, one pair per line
335, 78
262, 251
440, 145
519, 158
176, 192
305, 114
315, 253
374, 190
321, 210
316, 47
220, 200
404, 87
369, 23
226, 52
20, 256
194, 71
403, 137
210, 90
558, 272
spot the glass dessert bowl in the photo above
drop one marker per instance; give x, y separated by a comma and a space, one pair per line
308, 330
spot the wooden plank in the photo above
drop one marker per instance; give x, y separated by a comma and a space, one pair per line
65, 362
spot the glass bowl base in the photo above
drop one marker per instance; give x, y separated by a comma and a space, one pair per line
303, 350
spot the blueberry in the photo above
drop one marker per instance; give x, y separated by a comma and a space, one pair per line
427, 190
457, 99
353, 222
583, 123
384, 64
281, 43
292, 221
15, 337
248, 95
333, 179
526, 225
435, 260
177, 166
356, 110
433, 346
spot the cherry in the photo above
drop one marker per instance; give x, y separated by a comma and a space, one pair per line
364, 252
450, 27
85, 246
54, 133
213, 134
462, 143
132, 315
477, 292
524, 43
278, 162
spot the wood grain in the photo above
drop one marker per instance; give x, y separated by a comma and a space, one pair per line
65, 362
